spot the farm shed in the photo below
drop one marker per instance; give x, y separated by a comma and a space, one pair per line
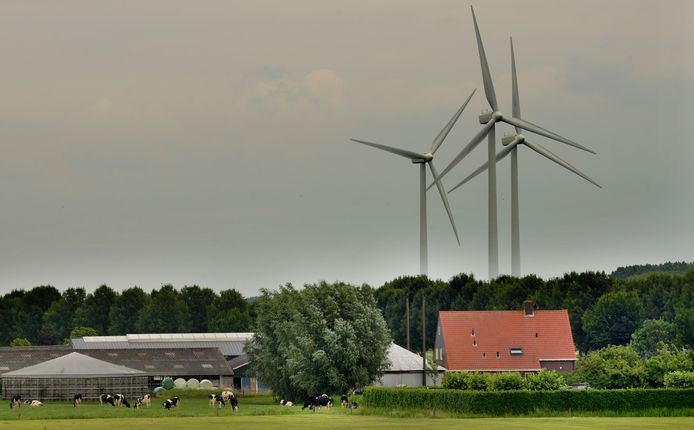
61, 378
406, 369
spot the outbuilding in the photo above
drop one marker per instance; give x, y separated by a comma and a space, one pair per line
61, 378
406, 369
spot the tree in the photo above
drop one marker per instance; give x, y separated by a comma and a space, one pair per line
229, 312
165, 312
667, 359
613, 319
326, 338
47, 338
612, 367
545, 380
20, 341
29, 308
82, 332
95, 310
684, 321
653, 333
124, 311
60, 315
198, 300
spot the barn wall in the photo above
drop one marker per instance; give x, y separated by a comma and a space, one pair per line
408, 379
65, 388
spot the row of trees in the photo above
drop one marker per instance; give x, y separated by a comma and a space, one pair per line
45, 316
603, 310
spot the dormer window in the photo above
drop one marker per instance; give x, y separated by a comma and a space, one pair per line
516, 351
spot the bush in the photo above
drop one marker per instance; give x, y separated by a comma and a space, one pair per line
464, 381
668, 359
520, 402
505, 382
612, 367
545, 380
679, 379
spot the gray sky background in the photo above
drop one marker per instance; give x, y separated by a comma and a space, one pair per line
150, 142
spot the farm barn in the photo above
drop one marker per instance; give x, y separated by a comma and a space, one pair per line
62, 377
406, 369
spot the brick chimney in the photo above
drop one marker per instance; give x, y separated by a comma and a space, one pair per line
529, 308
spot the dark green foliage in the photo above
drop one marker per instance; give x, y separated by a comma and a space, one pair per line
83, 331
326, 338
640, 269
612, 367
229, 312
465, 381
525, 402
679, 379
59, 318
545, 380
613, 319
124, 311
667, 359
198, 301
651, 335
95, 310
684, 322
505, 381
165, 312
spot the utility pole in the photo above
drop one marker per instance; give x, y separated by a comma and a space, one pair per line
407, 317
424, 344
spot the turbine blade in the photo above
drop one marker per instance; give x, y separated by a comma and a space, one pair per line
466, 150
486, 75
549, 154
401, 152
439, 185
525, 125
447, 129
500, 156
514, 80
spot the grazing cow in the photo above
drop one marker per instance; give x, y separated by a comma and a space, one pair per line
344, 400
138, 403
147, 400
211, 400
216, 400
120, 400
33, 403
77, 400
107, 399
171, 403
286, 402
354, 405
234, 403
227, 395
318, 401
16, 401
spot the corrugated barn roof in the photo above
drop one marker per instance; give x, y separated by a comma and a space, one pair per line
73, 365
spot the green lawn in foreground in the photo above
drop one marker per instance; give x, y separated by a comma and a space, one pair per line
339, 421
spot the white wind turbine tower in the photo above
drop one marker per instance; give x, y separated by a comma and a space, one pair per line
511, 144
422, 159
490, 119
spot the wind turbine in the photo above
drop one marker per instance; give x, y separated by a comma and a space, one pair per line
490, 119
422, 159
511, 145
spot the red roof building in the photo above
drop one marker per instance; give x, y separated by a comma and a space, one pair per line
527, 340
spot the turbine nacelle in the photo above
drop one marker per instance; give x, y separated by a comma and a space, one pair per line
513, 139
425, 158
490, 116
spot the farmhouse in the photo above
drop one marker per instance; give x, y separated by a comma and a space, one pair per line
526, 340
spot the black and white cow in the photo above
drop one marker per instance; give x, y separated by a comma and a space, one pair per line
216, 400
33, 403
344, 400
171, 403
227, 395
318, 401
234, 403
120, 400
77, 400
146, 400
286, 403
16, 401
107, 399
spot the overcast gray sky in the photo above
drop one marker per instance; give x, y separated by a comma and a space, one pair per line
150, 142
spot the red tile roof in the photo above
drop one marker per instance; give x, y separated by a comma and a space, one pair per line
544, 336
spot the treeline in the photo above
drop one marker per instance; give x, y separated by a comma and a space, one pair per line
45, 316
680, 267
603, 309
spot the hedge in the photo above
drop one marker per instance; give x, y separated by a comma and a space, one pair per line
524, 402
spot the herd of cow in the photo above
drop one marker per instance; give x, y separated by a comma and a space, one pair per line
215, 400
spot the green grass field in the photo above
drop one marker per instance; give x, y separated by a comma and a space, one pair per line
261, 413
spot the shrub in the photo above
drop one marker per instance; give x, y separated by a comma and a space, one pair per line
668, 359
679, 379
464, 381
612, 367
545, 380
525, 402
505, 382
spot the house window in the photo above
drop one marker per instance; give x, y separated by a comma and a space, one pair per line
484, 355
497, 354
472, 333
536, 335
516, 351
474, 342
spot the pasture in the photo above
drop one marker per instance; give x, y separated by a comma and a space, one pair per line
262, 413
